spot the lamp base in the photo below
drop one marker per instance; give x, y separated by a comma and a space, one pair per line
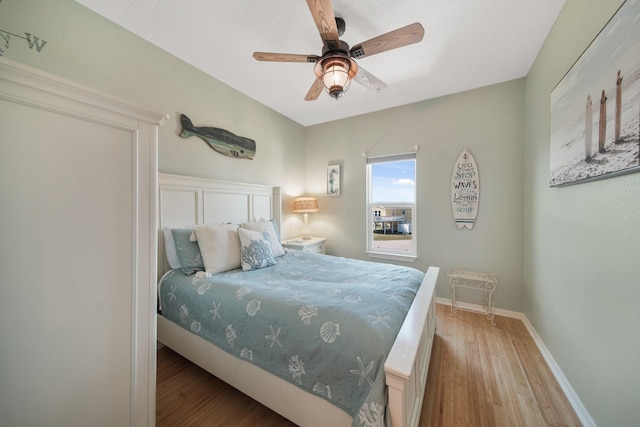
304, 234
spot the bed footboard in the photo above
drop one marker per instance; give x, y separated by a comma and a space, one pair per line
407, 365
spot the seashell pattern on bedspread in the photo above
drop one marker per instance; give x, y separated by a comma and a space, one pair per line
323, 323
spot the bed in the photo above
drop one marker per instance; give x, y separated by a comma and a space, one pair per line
296, 392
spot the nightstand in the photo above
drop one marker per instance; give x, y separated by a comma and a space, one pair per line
313, 245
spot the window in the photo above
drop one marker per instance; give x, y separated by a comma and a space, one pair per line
391, 206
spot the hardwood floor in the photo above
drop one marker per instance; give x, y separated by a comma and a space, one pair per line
483, 375
480, 375
187, 395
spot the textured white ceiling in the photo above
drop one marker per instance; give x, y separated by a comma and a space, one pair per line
467, 44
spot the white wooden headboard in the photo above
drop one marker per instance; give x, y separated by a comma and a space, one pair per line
185, 201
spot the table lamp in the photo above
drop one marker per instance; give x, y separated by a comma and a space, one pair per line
305, 205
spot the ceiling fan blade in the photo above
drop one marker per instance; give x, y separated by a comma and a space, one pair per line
314, 91
284, 57
369, 81
325, 20
404, 36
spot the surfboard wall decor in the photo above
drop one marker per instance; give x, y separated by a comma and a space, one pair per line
465, 190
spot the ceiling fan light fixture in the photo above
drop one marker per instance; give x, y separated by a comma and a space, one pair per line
336, 72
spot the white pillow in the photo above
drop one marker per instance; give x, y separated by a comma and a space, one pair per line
219, 246
170, 248
267, 226
256, 249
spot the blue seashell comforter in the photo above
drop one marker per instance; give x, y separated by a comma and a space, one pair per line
323, 323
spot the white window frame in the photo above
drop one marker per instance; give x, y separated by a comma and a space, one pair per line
403, 255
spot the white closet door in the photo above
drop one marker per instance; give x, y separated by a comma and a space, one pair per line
77, 258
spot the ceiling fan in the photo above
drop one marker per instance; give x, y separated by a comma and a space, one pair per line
336, 67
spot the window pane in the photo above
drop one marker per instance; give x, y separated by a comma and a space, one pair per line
391, 200
392, 229
393, 182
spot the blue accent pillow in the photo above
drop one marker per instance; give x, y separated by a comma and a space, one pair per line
255, 249
271, 228
188, 252
275, 228
170, 248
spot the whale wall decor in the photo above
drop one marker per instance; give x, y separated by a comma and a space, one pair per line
222, 141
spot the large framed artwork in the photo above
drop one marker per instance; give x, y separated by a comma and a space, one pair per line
595, 108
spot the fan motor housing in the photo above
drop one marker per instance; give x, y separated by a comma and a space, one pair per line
343, 48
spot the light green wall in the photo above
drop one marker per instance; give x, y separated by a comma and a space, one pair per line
88, 49
490, 123
577, 279
582, 242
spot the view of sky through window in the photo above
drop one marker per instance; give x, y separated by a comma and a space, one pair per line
393, 182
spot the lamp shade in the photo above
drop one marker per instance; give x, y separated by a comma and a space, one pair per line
305, 204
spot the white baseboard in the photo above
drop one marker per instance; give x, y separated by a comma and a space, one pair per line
573, 398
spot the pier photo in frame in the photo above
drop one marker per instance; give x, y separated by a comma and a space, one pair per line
595, 108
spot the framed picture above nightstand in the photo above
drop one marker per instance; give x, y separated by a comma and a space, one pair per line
314, 244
